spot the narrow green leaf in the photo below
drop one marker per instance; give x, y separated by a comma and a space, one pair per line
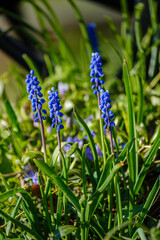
88, 170
82, 26
11, 114
96, 196
114, 30
147, 163
106, 170
108, 180
133, 159
141, 234
154, 52
114, 48
149, 200
140, 100
59, 208
64, 231
56, 153
56, 29
31, 155
20, 20
59, 182
90, 138
29, 204
71, 150
127, 147
14, 213
83, 169
32, 65
138, 11
28, 230
112, 232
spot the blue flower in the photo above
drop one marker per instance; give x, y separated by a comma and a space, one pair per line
105, 106
96, 73
63, 88
88, 152
30, 175
91, 30
35, 96
55, 107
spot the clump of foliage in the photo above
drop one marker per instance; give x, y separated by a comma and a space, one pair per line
96, 176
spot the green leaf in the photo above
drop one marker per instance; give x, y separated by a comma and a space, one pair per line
64, 230
14, 213
140, 99
24, 227
11, 114
31, 155
133, 159
82, 26
149, 200
56, 153
29, 204
106, 170
32, 65
88, 169
73, 148
141, 234
107, 181
97, 195
138, 11
128, 147
147, 163
90, 138
59, 182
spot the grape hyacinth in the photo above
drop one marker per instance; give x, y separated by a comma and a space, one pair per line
91, 30
55, 114
35, 96
107, 114
55, 107
96, 73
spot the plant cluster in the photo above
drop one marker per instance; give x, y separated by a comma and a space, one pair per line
90, 177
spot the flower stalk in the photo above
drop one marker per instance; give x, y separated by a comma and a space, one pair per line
35, 96
55, 114
96, 74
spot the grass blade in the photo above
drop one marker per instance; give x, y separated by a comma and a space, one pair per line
64, 230
141, 234
56, 153
82, 26
32, 65
58, 181
73, 148
138, 10
28, 230
147, 163
96, 197
14, 213
11, 114
133, 163
140, 100
90, 138
149, 200
28, 206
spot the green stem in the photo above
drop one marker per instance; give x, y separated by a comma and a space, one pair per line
101, 128
44, 199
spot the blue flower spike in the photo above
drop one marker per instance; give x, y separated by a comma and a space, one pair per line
35, 96
55, 107
105, 106
93, 37
96, 73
